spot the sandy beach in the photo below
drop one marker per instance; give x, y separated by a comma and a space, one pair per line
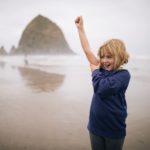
47, 107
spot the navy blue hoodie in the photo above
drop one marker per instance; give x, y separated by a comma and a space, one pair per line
108, 110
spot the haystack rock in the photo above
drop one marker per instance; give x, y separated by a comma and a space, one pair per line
42, 36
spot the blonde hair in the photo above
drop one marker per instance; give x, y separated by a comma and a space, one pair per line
117, 49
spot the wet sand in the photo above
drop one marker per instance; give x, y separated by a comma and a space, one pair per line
46, 108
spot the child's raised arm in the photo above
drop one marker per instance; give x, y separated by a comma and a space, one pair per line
84, 42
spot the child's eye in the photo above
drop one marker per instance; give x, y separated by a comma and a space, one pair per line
109, 56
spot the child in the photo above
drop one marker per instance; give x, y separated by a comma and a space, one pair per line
108, 112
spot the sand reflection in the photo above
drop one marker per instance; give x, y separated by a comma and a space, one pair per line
2, 64
41, 81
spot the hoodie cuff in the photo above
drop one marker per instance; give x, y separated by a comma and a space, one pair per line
96, 71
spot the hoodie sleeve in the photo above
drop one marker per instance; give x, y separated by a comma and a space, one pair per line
111, 84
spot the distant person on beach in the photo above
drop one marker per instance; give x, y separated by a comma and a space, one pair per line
108, 112
26, 60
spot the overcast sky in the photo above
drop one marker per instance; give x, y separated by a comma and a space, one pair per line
128, 20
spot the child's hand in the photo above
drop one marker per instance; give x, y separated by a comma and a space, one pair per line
79, 21
94, 67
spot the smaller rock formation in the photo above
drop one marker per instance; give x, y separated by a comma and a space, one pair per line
2, 51
13, 50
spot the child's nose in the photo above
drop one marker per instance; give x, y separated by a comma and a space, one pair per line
105, 60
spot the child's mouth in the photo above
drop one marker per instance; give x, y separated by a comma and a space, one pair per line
106, 66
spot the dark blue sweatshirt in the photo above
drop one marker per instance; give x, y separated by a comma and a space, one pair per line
108, 110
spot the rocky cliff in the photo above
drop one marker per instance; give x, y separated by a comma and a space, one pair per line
42, 36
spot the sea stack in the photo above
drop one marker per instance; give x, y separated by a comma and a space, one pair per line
2, 51
42, 36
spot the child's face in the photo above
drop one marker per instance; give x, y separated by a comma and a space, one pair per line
107, 61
